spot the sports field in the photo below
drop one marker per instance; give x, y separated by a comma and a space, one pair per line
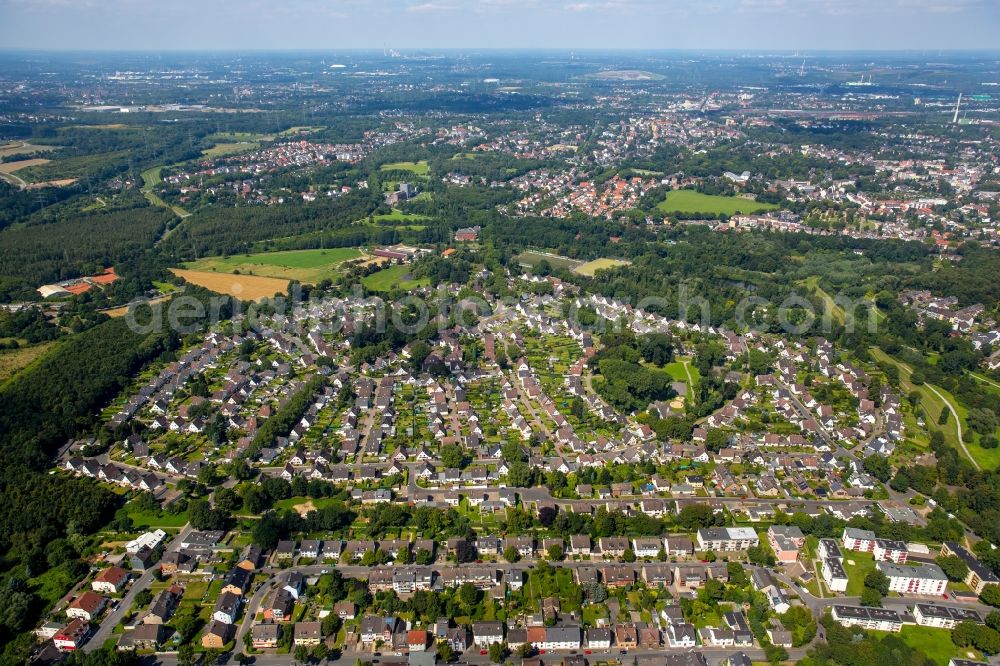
691, 201
307, 266
392, 277
417, 168
243, 287
591, 267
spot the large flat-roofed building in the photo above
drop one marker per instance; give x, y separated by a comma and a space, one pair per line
979, 576
878, 619
828, 549
890, 551
727, 538
944, 617
834, 574
905, 579
862, 541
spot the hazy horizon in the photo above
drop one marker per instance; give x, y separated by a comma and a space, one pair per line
315, 25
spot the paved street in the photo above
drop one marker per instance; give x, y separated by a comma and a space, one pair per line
106, 628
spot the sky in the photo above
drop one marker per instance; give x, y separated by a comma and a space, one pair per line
467, 24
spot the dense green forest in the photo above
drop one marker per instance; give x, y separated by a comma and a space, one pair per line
37, 254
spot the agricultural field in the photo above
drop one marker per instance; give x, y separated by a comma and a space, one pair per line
420, 168
8, 170
11, 167
22, 148
691, 201
393, 277
306, 266
532, 258
590, 268
244, 287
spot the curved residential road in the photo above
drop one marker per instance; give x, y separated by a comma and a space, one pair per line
108, 624
958, 423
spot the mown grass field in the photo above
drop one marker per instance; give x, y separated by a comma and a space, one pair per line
679, 373
935, 644
399, 216
243, 287
307, 266
691, 201
590, 268
420, 168
857, 566
533, 258
155, 520
393, 277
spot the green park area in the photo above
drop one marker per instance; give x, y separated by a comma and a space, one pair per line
694, 202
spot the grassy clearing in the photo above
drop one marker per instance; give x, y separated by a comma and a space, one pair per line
154, 519
150, 179
692, 201
393, 277
13, 361
590, 268
935, 644
239, 137
307, 266
222, 149
829, 305
532, 258
681, 370
399, 216
420, 168
301, 503
244, 287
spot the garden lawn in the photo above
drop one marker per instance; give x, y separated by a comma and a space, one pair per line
863, 563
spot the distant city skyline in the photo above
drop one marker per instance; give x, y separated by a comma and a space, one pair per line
516, 24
